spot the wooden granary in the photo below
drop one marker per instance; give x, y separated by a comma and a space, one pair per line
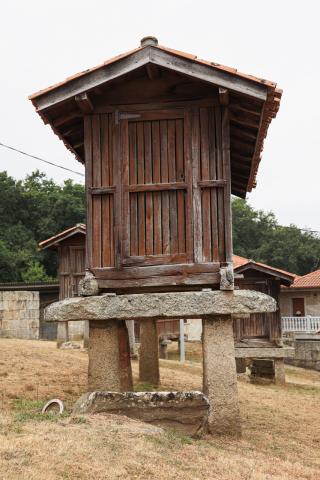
70, 247
166, 138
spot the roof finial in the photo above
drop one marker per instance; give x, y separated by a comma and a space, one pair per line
149, 40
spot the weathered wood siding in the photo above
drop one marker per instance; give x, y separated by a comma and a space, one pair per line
158, 195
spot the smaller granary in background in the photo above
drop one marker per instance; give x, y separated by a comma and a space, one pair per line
70, 246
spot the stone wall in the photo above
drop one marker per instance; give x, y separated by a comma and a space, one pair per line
311, 301
306, 352
19, 314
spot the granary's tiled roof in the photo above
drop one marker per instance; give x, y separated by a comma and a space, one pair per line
239, 262
52, 241
255, 127
311, 280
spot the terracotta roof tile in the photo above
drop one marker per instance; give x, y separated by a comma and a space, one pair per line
311, 280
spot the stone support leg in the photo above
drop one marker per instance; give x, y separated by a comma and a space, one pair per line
219, 376
132, 340
279, 372
86, 334
109, 357
241, 365
149, 352
62, 333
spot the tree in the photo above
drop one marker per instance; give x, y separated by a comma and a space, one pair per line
30, 211
257, 235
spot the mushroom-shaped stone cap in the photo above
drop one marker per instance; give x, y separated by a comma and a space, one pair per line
148, 41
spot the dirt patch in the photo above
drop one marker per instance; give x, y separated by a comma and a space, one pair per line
281, 428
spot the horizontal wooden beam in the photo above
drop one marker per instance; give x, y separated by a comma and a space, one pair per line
159, 281
247, 119
154, 55
155, 187
102, 190
212, 183
147, 271
240, 133
65, 118
208, 73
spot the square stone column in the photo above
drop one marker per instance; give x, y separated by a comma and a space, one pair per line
149, 352
279, 373
86, 334
220, 377
109, 356
62, 333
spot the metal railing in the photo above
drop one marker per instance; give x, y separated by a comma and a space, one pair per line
300, 324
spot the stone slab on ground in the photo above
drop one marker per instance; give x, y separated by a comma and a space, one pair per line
160, 305
185, 412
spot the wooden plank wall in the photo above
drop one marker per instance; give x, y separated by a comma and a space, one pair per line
174, 189
100, 205
157, 218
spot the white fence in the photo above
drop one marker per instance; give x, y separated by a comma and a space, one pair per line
300, 324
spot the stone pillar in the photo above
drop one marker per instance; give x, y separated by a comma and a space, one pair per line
279, 373
163, 348
220, 377
109, 356
241, 365
86, 334
132, 340
149, 352
62, 333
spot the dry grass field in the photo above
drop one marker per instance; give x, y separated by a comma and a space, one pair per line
281, 426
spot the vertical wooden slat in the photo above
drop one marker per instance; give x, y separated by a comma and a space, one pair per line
117, 199
111, 179
220, 193
148, 179
227, 176
105, 200
156, 175
96, 178
88, 177
141, 196
206, 223
213, 193
197, 228
172, 194
164, 179
187, 145
180, 176
125, 227
133, 196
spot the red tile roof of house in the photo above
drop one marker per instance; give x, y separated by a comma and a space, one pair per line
311, 280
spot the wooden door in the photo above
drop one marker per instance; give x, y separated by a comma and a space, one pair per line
156, 188
298, 307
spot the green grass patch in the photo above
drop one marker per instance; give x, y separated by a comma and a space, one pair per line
30, 410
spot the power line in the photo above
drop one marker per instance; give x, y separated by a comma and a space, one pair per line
41, 159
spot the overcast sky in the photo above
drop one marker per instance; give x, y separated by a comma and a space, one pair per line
43, 42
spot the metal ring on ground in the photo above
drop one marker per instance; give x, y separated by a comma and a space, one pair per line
52, 402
